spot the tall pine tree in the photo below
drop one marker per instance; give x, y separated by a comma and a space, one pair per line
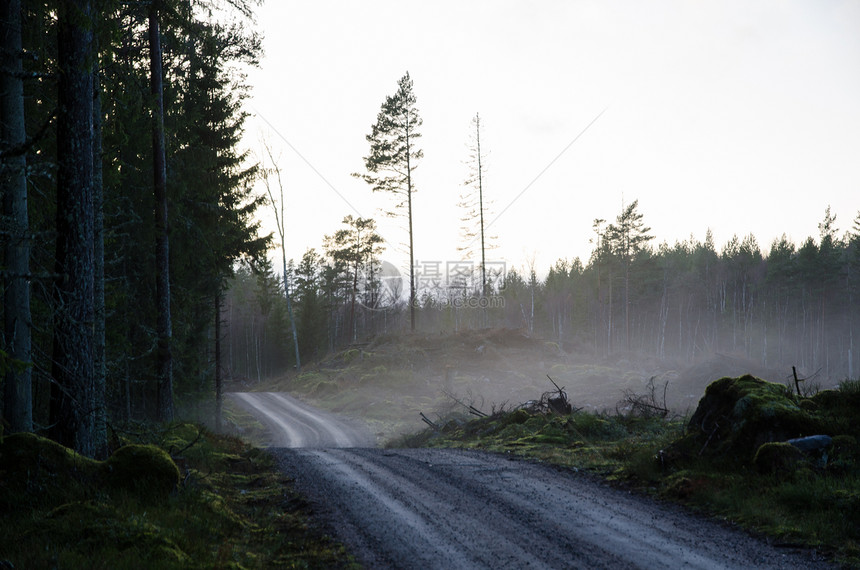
394, 155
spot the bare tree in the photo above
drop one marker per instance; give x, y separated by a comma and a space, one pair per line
280, 221
474, 204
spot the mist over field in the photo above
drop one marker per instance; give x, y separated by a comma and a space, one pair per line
684, 315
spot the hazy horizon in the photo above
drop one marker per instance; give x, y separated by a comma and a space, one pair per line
739, 117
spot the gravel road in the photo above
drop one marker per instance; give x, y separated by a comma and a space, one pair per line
445, 508
292, 423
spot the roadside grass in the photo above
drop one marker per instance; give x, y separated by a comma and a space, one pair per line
813, 502
225, 506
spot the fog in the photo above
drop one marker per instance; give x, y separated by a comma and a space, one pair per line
683, 316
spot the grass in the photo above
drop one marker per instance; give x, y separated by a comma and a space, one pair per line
811, 504
232, 509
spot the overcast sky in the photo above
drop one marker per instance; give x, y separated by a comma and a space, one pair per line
738, 116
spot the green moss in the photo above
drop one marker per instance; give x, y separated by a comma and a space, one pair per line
515, 417
146, 470
777, 458
737, 415
88, 527
234, 509
37, 471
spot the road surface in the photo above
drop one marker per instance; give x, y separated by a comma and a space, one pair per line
445, 508
292, 423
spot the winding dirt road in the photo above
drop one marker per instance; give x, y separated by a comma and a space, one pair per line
444, 508
292, 423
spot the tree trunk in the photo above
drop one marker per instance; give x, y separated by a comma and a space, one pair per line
411, 249
164, 356
73, 400
218, 387
99, 365
287, 295
18, 394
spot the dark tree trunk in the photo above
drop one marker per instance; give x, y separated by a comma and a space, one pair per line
72, 393
18, 395
412, 295
218, 386
162, 250
99, 373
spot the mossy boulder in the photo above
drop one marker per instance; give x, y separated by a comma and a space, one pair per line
737, 415
775, 458
145, 470
38, 471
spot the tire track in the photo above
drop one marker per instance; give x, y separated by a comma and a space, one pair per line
437, 508
294, 424
448, 508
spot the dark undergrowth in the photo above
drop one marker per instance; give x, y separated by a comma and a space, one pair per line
793, 498
179, 497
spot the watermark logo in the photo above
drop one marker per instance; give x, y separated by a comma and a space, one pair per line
381, 287
438, 285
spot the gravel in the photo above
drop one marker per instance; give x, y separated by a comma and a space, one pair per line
448, 508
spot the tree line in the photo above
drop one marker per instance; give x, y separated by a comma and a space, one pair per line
789, 305
127, 204
792, 305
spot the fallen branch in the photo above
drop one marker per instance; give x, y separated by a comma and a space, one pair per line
429, 422
469, 407
645, 405
476, 412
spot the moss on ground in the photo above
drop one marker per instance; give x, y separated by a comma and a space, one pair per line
228, 507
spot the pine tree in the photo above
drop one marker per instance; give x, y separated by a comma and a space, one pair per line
627, 237
393, 157
73, 392
164, 357
356, 248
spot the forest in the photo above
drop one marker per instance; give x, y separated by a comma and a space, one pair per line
137, 281
784, 306
127, 205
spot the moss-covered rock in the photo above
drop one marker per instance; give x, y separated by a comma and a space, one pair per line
38, 471
737, 415
776, 458
146, 470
